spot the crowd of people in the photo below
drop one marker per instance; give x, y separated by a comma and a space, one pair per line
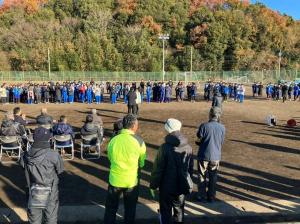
232, 91
150, 91
285, 91
172, 170
92, 92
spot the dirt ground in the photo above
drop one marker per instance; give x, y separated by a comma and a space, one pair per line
258, 162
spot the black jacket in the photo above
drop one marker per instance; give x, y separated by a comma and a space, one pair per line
20, 120
131, 98
164, 175
12, 128
44, 119
91, 129
44, 166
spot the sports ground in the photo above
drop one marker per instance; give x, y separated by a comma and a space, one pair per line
259, 163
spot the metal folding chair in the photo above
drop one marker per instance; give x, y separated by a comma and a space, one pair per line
6, 145
59, 144
86, 143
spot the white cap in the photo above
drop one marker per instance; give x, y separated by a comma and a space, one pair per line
172, 125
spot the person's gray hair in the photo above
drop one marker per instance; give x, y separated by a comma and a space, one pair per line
129, 121
215, 114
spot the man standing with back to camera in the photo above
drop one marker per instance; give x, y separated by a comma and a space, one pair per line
211, 138
175, 157
126, 153
42, 167
132, 96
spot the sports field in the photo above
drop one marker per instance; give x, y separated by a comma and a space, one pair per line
259, 162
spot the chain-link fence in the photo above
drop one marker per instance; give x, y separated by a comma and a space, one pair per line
228, 76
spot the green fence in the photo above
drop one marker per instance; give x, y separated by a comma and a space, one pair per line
228, 76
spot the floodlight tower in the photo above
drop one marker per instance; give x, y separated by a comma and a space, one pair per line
164, 37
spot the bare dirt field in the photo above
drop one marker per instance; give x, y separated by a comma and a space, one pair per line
259, 163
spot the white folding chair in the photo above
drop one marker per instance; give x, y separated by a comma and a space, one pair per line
59, 144
6, 145
87, 142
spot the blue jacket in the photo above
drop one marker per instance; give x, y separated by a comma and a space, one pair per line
212, 135
63, 129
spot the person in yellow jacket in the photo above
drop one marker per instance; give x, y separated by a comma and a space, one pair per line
127, 154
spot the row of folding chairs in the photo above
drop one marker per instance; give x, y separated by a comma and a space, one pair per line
61, 142
12, 146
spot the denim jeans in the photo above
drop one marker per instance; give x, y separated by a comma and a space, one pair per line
130, 196
207, 169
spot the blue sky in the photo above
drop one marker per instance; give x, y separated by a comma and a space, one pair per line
290, 7
1, 2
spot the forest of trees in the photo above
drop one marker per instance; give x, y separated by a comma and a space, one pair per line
122, 35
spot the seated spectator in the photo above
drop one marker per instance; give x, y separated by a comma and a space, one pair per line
62, 128
11, 128
118, 126
44, 119
89, 129
19, 117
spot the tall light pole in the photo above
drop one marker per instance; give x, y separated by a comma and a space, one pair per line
279, 61
164, 37
191, 69
49, 66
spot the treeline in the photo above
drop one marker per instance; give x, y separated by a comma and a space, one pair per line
122, 35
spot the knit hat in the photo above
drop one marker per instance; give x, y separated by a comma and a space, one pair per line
172, 125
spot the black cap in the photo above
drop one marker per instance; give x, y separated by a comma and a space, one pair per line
41, 137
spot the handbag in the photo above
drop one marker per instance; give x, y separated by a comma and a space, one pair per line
185, 182
39, 195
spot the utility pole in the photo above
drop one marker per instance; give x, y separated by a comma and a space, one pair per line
49, 66
279, 62
191, 70
164, 37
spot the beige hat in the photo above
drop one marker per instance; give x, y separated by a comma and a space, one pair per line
172, 125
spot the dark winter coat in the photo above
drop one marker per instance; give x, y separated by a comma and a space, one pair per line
91, 129
164, 175
131, 96
44, 165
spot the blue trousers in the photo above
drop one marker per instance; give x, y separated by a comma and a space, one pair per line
82, 97
98, 99
113, 98
71, 99
241, 97
89, 99
162, 98
148, 98
65, 96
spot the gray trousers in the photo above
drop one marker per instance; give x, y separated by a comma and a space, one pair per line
207, 169
47, 215
169, 203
